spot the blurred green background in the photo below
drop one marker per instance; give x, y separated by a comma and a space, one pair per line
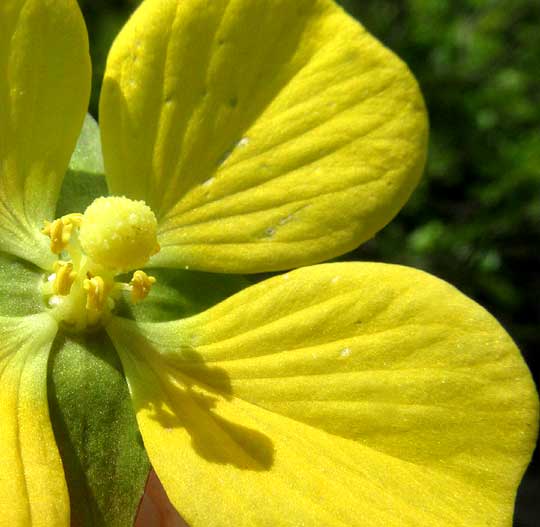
475, 219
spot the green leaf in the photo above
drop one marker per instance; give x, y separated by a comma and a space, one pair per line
104, 459
20, 287
180, 294
84, 180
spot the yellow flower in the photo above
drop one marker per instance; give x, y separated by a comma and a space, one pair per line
261, 135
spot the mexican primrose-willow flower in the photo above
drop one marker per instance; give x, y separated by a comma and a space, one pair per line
239, 136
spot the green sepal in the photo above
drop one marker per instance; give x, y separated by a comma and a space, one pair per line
20, 287
105, 462
87, 156
180, 294
84, 180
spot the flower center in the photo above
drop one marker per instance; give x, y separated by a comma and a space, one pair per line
113, 236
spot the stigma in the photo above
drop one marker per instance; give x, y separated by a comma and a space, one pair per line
115, 235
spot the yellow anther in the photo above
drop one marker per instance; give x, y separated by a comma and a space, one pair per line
59, 233
140, 284
74, 219
96, 293
65, 276
60, 230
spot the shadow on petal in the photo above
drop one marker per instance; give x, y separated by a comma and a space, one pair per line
192, 396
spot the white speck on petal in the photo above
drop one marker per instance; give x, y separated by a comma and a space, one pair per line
243, 142
54, 301
286, 276
336, 279
345, 352
287, 219
208, 182
51, 277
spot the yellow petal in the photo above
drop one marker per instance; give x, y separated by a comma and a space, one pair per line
44, 91
265, 135
33, 491
343, 395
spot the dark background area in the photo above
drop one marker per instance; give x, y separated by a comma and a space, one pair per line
475, 219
